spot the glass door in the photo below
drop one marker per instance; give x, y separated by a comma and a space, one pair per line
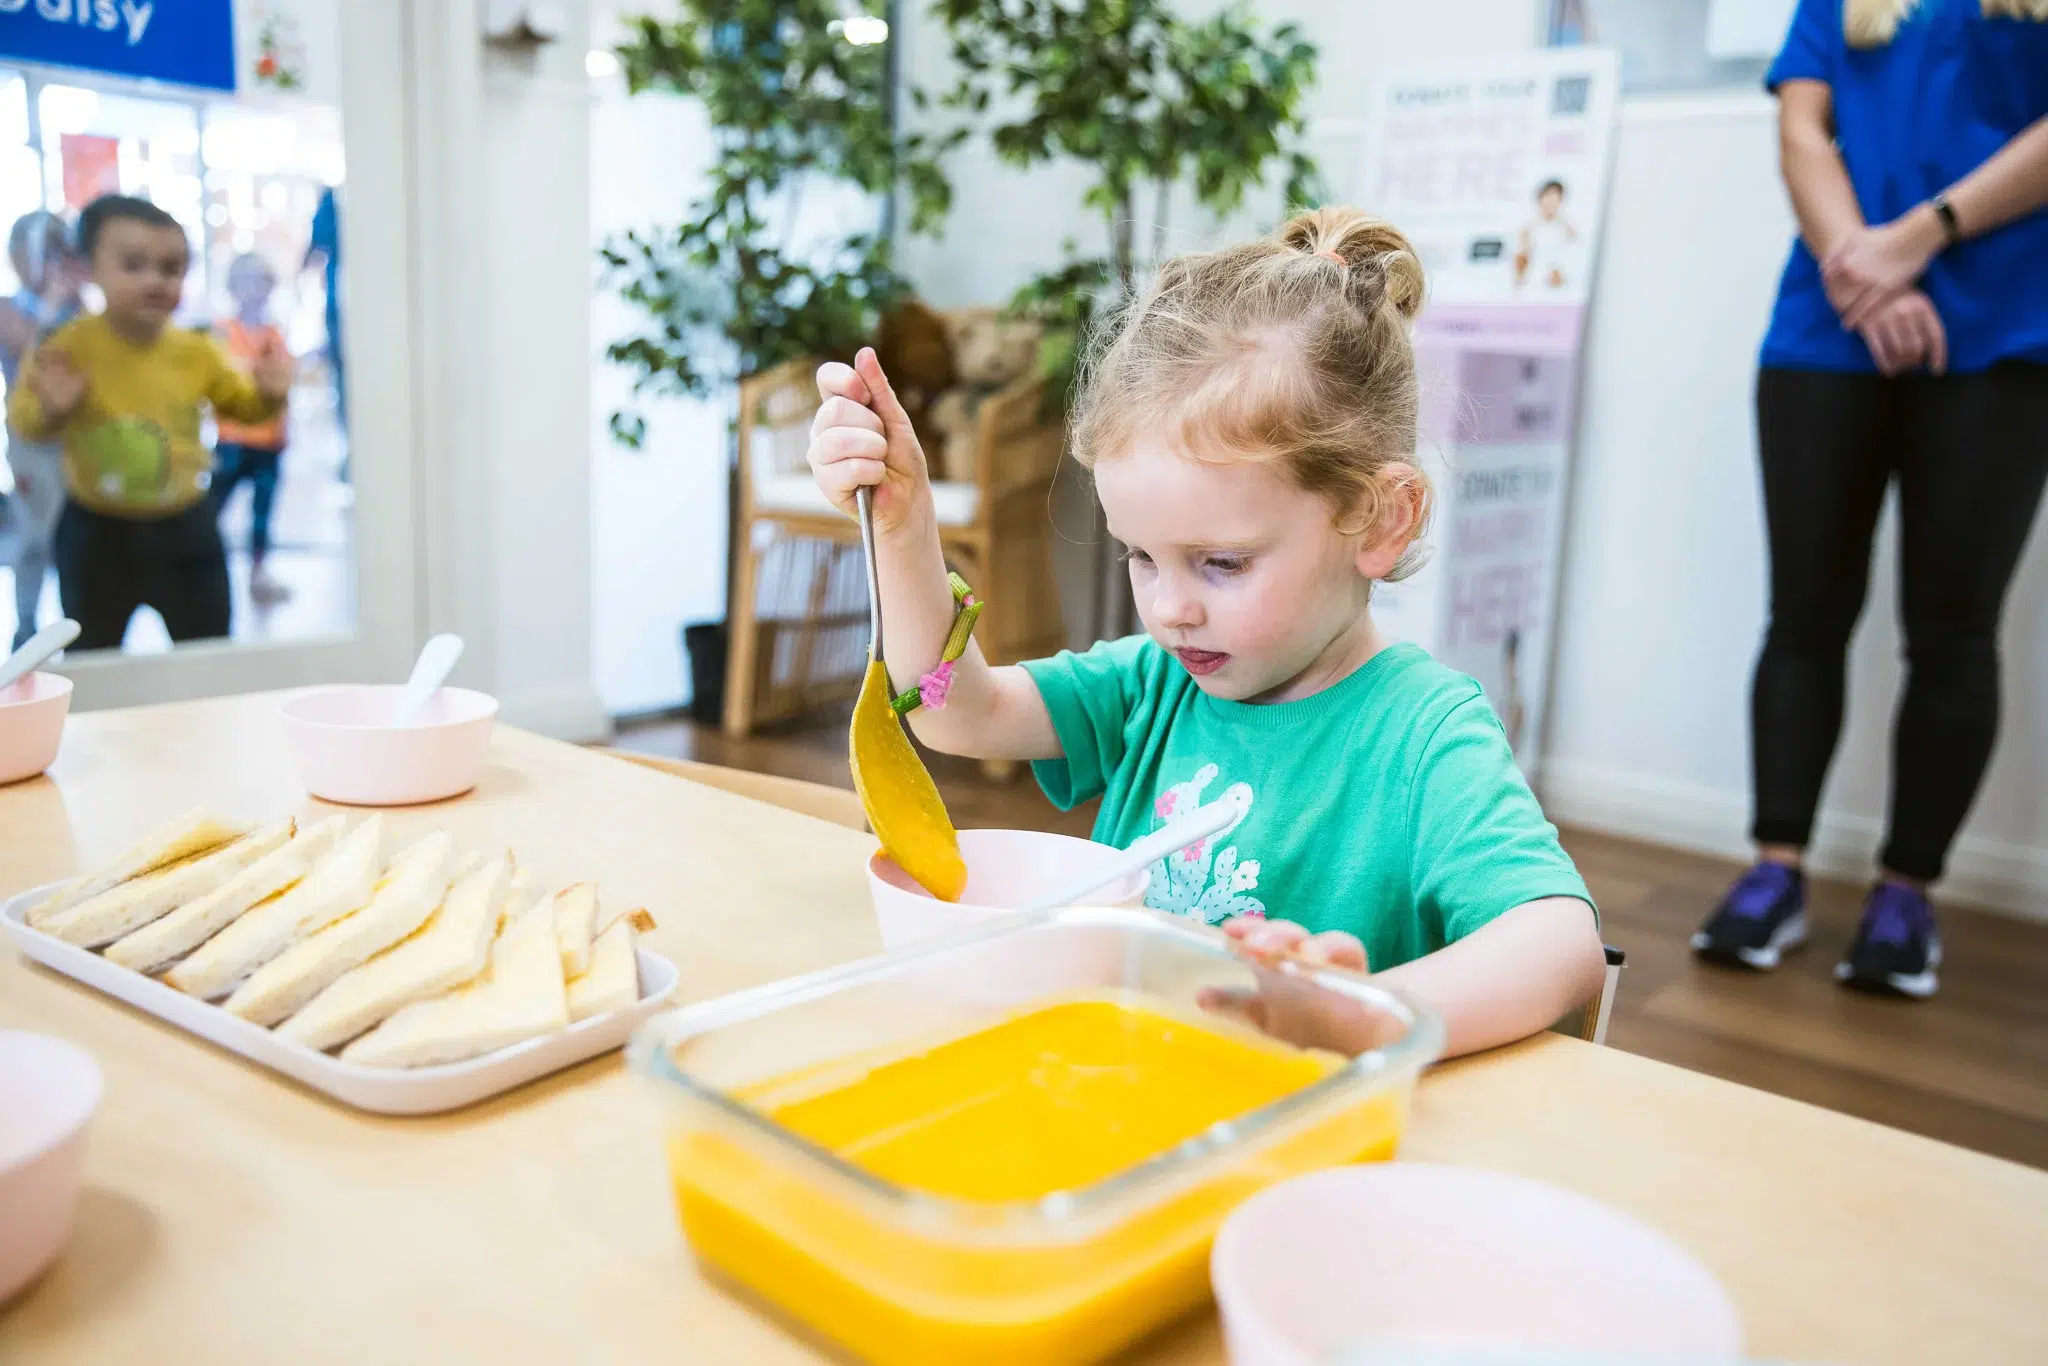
300, 525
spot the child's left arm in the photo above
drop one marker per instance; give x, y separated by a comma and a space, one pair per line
1517, 974
257, 396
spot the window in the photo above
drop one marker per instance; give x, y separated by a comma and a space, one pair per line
1677, 45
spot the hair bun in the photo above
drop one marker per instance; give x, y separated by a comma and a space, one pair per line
1376, 252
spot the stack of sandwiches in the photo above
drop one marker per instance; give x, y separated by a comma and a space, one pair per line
407, 957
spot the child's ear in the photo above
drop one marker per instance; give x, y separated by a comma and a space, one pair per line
1403, 498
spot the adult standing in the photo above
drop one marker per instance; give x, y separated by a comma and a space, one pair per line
323, 249
1909, 347
39, 250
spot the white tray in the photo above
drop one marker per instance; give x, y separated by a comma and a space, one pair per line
387, 1091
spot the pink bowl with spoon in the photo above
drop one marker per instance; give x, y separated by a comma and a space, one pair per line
32, 714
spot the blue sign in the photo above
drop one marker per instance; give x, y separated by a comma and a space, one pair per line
186, 42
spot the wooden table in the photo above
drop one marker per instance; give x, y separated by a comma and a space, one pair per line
231, 1217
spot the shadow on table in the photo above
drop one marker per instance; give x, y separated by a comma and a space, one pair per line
113, 1238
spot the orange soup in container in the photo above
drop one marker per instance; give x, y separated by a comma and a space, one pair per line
1015, 1147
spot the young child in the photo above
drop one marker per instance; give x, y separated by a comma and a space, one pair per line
39, 250
252, 451
1249, 421
122, 389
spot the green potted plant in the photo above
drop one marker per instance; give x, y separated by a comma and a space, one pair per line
796, 96
1150, 101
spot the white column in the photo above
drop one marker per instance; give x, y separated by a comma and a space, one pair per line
500, 173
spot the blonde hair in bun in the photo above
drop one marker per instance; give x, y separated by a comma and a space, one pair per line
1292, 349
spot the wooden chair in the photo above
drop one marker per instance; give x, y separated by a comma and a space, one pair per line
1590, 1023
834, 804
993, 529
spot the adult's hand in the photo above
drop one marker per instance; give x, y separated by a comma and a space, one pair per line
1870, 267
1906, 333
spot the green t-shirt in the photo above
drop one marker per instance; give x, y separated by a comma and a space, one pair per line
1388, 804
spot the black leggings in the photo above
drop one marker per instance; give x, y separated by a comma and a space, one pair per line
109, 566
1970, 456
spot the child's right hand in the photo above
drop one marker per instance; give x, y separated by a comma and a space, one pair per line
57, 384
863, 438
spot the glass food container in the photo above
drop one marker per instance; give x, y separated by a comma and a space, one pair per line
1015, 1146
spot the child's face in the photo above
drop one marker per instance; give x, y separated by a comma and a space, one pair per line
251, 287
1550, 201
1240, 574
141, 270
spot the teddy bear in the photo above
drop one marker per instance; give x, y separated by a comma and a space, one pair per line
917, 355
989, 352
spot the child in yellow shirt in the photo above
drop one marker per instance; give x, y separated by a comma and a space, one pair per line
122, 390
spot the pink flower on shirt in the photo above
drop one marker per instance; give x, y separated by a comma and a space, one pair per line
1163, 807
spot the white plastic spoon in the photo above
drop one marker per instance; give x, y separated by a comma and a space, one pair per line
429, 672
1175, 836
36, 649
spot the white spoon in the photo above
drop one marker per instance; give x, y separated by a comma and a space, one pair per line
429, 672
36, 649
1177, 835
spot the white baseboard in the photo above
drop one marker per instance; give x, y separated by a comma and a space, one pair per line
2005, 877
575, 714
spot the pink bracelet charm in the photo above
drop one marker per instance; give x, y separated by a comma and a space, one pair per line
933, 687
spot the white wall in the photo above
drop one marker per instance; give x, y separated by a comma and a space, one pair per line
500, 179
1662, 598
657, 514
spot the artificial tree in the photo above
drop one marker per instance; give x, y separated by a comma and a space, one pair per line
792, 101
1147, 100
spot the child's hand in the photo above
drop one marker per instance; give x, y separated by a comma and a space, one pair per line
57, 384
1273, 939
862, 437
274, 370
1290, 1008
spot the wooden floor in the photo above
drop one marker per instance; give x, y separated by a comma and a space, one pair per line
1970, 1066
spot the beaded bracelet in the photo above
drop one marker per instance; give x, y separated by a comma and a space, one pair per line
932, 688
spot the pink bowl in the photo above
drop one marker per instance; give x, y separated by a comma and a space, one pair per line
48, 1090
1407, 1254
348, 751
31, 724
1006, 870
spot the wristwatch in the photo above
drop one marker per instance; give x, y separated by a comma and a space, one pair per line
1951, 230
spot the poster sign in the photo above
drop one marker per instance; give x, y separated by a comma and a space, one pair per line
290, 48
185, 42
1496, 169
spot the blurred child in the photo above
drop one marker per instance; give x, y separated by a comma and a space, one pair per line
1250, 421
252, 451
122, 390
50, 275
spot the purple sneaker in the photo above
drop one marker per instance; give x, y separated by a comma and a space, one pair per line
1762, 916
1897, 949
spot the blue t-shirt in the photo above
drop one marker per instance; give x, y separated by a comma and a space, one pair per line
1911, 118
